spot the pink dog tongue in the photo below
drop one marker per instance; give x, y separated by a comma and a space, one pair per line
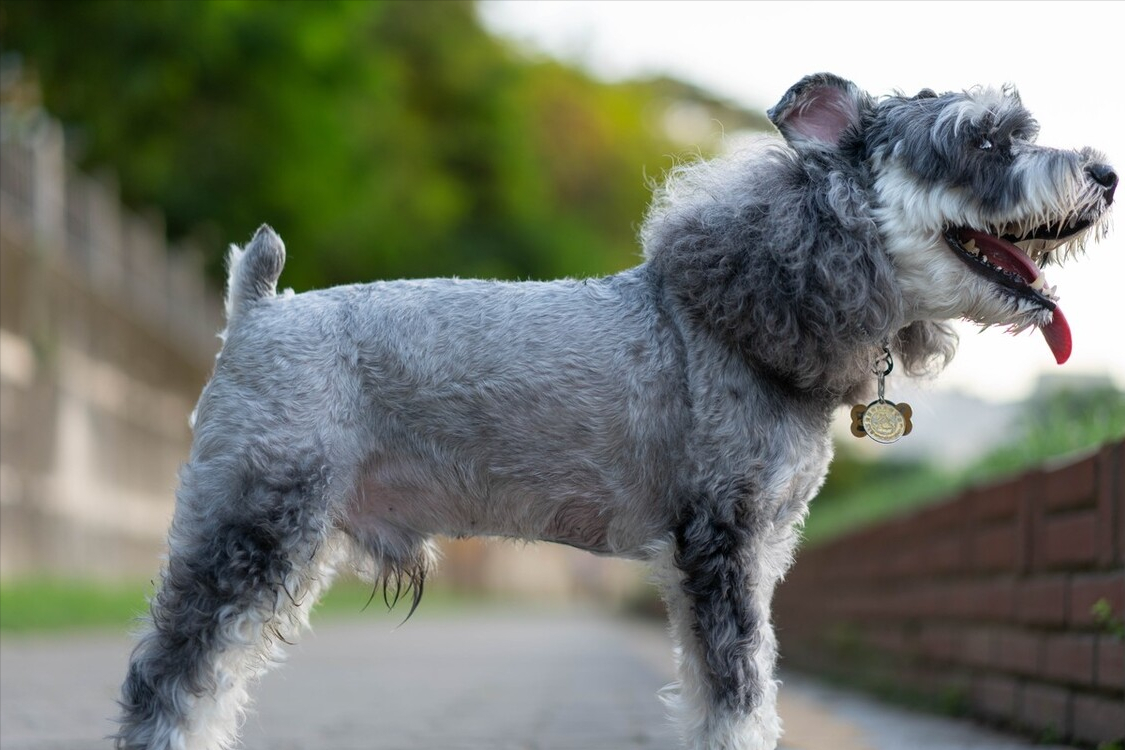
1057, 333
1007, 256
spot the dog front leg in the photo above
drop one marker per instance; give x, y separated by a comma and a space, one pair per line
717, 589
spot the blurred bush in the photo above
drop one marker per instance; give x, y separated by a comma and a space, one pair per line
1054, 425
1057, 423
381, 139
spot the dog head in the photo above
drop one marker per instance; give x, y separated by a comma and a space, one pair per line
970, 207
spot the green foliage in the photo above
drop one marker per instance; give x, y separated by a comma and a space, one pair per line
1049, 736
860, 491
380, 138
1065, 422
42, 604
1103, 614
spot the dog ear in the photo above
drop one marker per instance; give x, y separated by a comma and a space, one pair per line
819, 110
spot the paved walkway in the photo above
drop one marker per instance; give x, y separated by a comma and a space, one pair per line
487, 680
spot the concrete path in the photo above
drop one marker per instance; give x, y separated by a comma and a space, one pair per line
484, 680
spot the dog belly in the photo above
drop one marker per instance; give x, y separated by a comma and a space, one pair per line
581, 523
404, 497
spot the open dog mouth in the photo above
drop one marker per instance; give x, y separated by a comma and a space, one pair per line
1001, 259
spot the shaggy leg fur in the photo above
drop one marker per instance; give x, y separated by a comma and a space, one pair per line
718, 579
234, 589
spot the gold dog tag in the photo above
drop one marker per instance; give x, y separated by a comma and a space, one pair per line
882, 421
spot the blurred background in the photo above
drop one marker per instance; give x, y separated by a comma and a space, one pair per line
511, 140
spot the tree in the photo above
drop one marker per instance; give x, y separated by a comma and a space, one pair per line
381, 139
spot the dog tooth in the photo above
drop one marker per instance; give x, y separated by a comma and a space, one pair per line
1039, 282
971, 246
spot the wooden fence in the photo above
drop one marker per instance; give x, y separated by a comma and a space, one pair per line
106, 336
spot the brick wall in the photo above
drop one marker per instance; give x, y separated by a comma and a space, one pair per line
984, 602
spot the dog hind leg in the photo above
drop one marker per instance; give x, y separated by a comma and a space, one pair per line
240, 580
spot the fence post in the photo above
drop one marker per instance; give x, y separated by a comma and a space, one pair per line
48, 193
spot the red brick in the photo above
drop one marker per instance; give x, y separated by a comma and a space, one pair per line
978, 647
944, 554
1111, 503
959, 600
1070, 486
925, 601
886, 639
948, 515
1069, 658
962, 599
901, 564
928, 601
866, 568
995, 548
861, 605
1098, 719
886, 604
1000, 502
936, 643
981, 599
1030, 521
1070, 540
1088, 590
856, 604
1111, 663
859, 565
922, 601
1018, 652
1046, 708
905, 532
879, 605
1043, 600
999, 602
994, 696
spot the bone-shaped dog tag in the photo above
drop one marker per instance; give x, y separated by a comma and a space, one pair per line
882, 421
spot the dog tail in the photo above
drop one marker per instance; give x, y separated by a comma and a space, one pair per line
253, 271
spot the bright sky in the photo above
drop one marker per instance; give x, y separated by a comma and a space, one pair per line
1065, 58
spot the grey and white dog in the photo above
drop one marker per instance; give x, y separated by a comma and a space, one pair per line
676, 413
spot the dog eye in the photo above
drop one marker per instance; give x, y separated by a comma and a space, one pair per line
984, 144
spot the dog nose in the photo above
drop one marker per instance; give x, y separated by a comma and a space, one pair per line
1104, 175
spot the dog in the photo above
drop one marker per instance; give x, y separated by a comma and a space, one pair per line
677, 412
